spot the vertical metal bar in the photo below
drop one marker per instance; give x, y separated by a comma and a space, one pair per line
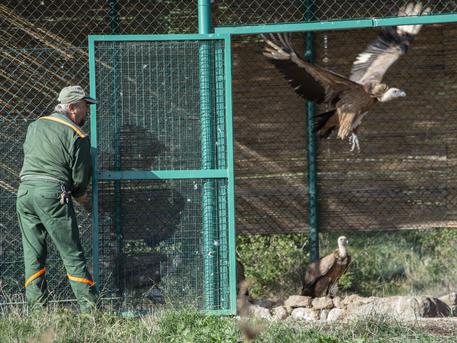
230, 168
312, 151
93, 148
117, 164
114, 26
223, 263
207, 153
204, 17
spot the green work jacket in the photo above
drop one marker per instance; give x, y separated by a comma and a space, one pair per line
56, 149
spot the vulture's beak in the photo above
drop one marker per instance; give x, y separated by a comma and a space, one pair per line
402, 93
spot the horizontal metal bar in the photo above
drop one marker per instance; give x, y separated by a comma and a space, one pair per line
174, 37
220, 312
163, 174
337, 24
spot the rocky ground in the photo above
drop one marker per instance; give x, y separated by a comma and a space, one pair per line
325, 309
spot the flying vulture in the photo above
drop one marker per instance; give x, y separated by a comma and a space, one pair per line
349, 98
321, 277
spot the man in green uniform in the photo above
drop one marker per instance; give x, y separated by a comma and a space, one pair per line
57, 167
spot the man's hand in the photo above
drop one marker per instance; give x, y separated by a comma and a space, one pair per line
84, 201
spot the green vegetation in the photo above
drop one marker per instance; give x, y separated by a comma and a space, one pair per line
58, 325
274, 262
385, 263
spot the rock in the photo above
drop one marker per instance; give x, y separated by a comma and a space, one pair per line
355, 299
362, 310
337, 302
323, 315
297, 301
322, 303
307, 314
335, 314
353, 307
404, 308
396, 307
449, 299
279, 313
259, 312
264, 303
358, 306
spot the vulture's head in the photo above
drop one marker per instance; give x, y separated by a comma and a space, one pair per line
342, 244
392, 93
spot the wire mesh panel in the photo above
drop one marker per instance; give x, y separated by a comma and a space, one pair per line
162, 109
154, 89
159, 256
232, 12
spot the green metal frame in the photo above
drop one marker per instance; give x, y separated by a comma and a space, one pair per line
209, 171
93, 145
313, 216
337, 24
207, 153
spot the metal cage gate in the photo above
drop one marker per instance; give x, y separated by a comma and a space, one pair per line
161, 133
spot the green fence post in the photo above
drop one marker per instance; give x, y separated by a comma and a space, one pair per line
231, 241
114, 26
223, 262
93, 144
312, 151
207, 151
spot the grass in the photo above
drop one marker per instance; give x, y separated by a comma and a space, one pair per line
59, 325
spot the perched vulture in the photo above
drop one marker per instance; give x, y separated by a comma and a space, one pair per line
321, 277
349, 98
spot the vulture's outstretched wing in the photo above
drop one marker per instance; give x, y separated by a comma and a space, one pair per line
371, 65
308, 80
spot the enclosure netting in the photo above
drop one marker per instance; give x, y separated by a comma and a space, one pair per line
149, 118
403, 178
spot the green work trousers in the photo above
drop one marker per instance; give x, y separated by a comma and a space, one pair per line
40, 214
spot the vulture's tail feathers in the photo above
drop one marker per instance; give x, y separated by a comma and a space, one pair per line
278, 46
320, 121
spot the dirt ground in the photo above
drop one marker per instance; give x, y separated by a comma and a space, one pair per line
437, 326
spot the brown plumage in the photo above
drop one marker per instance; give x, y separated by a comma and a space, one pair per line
321, 277
349, 98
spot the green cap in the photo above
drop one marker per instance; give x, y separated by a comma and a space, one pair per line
74, 94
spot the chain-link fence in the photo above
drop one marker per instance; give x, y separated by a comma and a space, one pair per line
230, 13
44, 48
404, 177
